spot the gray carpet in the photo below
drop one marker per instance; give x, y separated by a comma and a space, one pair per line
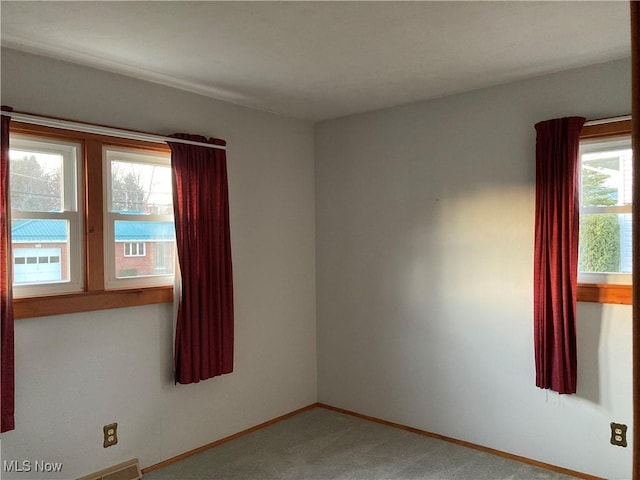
322, 444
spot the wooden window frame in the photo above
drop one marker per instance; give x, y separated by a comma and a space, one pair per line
596, 292
94, 296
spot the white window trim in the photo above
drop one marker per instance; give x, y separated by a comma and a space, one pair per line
73, 201
593, 146
112, 282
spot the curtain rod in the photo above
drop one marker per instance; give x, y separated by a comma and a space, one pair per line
101, 130
151, 137
600, 121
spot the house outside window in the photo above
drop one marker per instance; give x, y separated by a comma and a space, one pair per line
152, 253
40, 253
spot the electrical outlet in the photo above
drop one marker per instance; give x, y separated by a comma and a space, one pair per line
618, 434
110, 434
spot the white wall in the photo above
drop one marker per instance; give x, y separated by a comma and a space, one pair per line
76, 373
425, 217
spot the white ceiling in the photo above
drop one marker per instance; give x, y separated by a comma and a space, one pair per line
320, 60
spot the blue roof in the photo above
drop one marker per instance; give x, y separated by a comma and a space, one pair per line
134, 231
27, 231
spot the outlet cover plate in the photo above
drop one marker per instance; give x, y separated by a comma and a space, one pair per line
110, 434
618, 434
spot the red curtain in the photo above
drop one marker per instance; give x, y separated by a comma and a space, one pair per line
7, 386
556, 253
204, 328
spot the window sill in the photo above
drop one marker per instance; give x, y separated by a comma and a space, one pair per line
88, 301
602, 293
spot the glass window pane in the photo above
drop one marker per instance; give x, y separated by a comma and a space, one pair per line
36, 181
606, 178
36, 243
144, 249
140, 188
605, 243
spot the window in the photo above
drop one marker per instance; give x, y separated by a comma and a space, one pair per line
132, 249
138, 217
45, 215
605, 255
91, 221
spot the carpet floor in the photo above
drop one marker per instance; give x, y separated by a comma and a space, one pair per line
323, 444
